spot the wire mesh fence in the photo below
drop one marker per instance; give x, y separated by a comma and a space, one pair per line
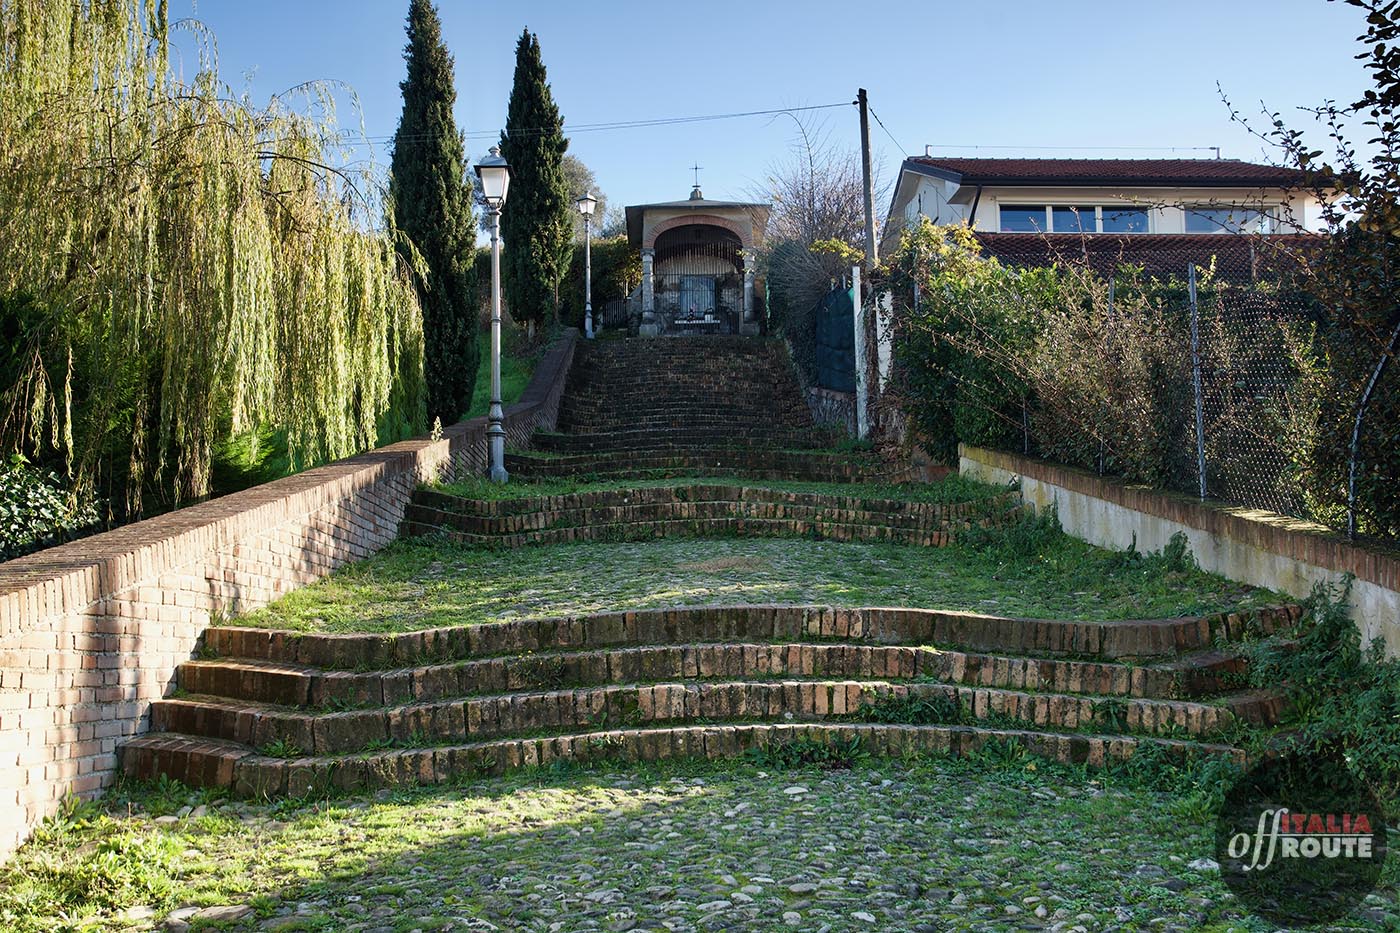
1248, 355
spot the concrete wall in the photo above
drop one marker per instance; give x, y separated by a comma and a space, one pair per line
91, 631
1250, 545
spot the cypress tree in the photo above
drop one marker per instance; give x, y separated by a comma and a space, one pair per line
537, 222
433, 208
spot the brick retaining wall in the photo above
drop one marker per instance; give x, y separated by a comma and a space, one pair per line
1251, 545
92, 631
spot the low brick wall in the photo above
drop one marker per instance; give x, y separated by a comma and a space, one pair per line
1251, 545
91, 632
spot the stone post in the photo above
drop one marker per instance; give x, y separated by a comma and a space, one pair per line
748, 324
650, 326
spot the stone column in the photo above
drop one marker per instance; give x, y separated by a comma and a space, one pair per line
650, 326
748, 324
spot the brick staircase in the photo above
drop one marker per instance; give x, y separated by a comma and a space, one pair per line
268, 712
287, 713
688, 406
699, 508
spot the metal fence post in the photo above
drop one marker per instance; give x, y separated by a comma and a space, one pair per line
1196, 378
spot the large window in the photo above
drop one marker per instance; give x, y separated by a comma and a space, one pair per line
1073, 218
1022, 219
1213, 219
1124, 220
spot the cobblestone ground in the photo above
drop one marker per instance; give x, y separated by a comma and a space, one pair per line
883, 846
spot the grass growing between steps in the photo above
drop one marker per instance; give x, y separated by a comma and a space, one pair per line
996, 842
954, 488
1030, 570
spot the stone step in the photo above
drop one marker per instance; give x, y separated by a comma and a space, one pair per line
701, 491
698, 422
1170, 639
298, 685
524, 712
697, 510
669, 440
741, 462
210, 763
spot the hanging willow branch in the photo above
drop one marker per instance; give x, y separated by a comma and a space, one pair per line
177, 266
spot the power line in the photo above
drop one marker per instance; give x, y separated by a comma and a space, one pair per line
901, 149
614, 124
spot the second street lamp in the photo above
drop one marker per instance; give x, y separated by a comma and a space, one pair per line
586, 204
495, 180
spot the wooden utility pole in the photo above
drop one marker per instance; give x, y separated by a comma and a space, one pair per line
872, 250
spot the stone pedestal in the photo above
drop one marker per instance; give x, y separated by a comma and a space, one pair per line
650, 325
748, 323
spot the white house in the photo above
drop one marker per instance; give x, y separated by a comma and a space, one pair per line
1139, 209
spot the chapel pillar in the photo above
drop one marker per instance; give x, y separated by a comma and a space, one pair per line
650, 327
748, 324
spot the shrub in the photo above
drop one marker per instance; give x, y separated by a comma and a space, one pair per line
1345, 697
36, 511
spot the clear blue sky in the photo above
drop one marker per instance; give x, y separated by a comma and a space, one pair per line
1019, 73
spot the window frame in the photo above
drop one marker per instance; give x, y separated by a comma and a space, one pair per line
1098, 208
1262, 219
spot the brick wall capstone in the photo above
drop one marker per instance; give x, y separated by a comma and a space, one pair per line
92, 631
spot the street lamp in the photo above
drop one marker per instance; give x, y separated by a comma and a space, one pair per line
495, 179
585, 207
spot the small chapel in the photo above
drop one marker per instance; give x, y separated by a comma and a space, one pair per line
698, 265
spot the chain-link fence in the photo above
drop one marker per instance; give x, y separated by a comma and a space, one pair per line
1251, 404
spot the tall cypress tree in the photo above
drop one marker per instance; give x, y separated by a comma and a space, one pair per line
536, 224
433, 208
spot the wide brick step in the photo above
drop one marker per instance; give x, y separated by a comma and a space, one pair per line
660, 440
699, 422
696, 510
658, 529
300, 685
1170, 639
666, 411
529, 712
893, 510
211, 763
744, 463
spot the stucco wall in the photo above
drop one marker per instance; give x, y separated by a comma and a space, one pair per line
92, 631
1249, 545
931, 197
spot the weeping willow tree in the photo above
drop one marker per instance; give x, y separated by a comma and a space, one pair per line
178, 266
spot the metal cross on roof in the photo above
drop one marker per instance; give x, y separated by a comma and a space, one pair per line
696, 169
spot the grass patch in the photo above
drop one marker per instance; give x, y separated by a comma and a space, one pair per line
424, 583
954, 488
518, 361
951, 843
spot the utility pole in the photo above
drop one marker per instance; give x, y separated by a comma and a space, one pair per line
872, 251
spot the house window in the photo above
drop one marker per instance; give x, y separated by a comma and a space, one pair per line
1066, 218
1073, 219
1209, 219
1023, 219
1124, 220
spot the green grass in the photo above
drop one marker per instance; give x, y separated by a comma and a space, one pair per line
954, 488
517, 366
954, 844
424, 583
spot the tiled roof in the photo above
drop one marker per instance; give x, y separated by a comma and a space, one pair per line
1237, 258
1209, 172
